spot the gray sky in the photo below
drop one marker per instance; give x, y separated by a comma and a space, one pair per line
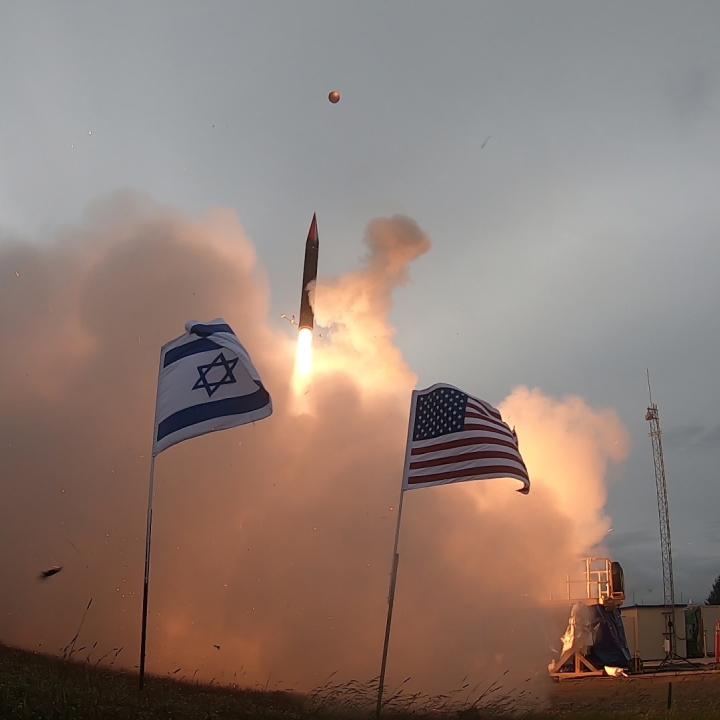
577, 247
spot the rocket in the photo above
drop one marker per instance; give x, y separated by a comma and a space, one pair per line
312, 246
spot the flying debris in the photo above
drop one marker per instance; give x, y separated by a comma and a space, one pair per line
312, 247
485, 142
334, 96
54, 570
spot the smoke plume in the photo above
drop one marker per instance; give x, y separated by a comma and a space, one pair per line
271, 541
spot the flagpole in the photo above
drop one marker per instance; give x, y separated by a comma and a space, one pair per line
148, 533
395, 562
391, 601
148, 536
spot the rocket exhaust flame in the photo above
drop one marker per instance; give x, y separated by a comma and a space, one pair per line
303, 360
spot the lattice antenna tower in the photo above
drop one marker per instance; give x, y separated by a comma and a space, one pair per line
653, 417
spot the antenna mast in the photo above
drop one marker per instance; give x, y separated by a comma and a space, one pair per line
653, 417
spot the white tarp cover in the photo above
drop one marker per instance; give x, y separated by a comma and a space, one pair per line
578, 636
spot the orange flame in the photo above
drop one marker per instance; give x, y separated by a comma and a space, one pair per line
303, 360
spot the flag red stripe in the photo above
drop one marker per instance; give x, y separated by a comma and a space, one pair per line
476, 440
478, 472
489, 428
500, 425
464, 457
483, 407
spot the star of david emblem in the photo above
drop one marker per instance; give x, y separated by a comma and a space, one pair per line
208, 374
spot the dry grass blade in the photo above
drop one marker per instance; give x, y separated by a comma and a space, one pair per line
69, 649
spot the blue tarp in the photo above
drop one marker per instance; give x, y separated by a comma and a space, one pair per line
609, 642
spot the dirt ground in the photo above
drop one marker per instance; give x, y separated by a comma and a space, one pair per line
693, 696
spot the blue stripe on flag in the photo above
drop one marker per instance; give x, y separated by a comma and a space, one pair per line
191, 348
210, 410
205, 330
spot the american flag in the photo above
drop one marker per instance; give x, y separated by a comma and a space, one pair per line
456, 437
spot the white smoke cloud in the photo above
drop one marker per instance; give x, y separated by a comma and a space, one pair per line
272, 541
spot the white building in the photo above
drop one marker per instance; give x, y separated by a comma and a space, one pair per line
694, 630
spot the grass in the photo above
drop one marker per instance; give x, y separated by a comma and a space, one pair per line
38, 687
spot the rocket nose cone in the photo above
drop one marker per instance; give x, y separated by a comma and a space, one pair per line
313, 233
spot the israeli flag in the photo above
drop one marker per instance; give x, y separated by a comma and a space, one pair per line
207, 382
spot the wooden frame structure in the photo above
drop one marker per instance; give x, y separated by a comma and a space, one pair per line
581, 667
